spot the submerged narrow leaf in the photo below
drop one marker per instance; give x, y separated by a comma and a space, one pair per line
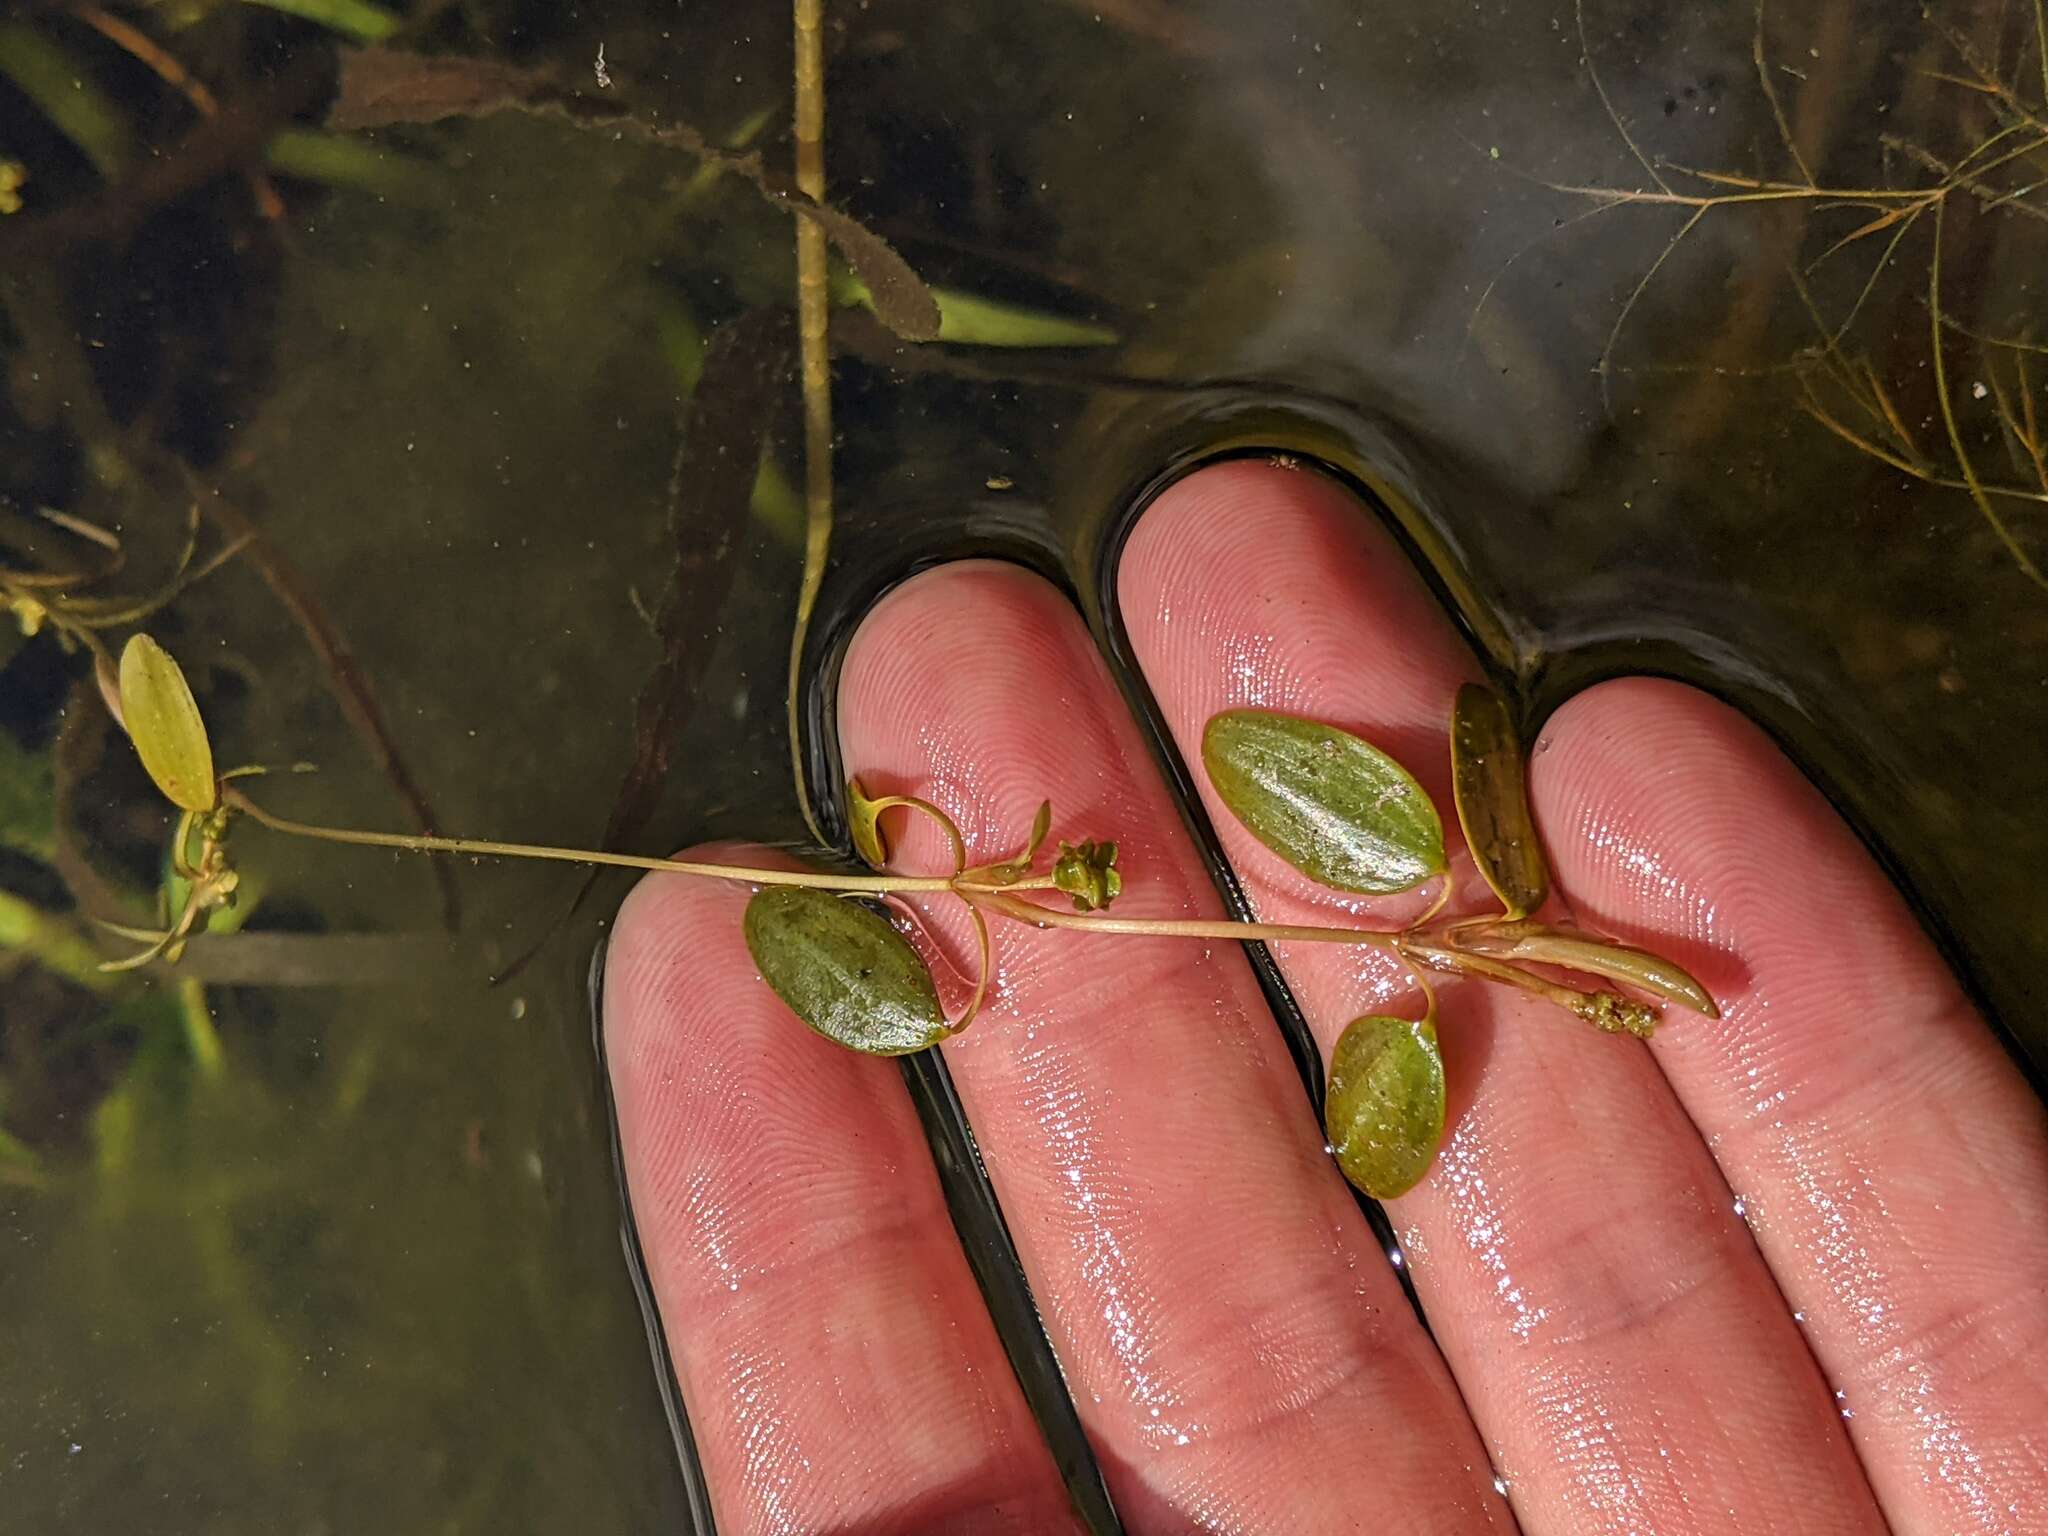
163, 722
1332, 805
1385, 1112
844, 971
1493, 800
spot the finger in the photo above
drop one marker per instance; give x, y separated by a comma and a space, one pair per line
1619, 1339
1890, 1159
838, 1367
1241, 1356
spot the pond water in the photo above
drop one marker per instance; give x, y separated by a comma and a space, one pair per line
1630, 319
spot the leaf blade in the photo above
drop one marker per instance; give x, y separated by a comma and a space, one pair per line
163, 721
1491, 791
844, 971
1330, 803
1664, 979
1384, 1113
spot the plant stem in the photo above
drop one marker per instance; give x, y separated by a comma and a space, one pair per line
1173, 928
813, 319
875, 885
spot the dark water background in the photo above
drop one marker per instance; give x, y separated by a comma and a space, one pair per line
283, 1253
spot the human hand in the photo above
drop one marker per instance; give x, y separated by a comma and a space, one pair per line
1787, 1266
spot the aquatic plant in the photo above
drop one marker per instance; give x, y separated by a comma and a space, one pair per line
1326, 801
1835, 382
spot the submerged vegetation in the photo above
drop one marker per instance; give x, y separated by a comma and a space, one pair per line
475, 395
1328, 802
1853, 238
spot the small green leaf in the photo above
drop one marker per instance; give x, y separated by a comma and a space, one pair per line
1493, 800
844, 971
1384, 1115
1009, 871
1335, 807
864, 819
1087, 872
163, 722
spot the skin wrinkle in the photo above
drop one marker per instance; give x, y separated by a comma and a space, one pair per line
1521, 1300
1829, 1091
1167, 1139
1628, 1377
801, 1254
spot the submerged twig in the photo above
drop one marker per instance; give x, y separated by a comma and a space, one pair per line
814, 340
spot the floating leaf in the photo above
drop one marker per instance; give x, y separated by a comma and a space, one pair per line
1624, 963
864, 816
844, 971
1087, 872
1335, 807
1493, 800
163, 722
1384, 1115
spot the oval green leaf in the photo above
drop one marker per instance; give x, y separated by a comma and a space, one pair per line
1384, 1115
1335, 807
1493, 800
844, 971
163, 721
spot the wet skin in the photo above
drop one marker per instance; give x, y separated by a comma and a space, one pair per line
1795, 1260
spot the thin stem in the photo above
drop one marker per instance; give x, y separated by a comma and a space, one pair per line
477, 848
1978, 490
1458, 961
1174, 928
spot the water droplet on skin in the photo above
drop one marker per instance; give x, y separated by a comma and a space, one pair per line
1500, 1486
1741, 1211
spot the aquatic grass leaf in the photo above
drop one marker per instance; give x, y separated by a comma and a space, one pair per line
969, 320
356, 19
66, 94
1384, 1115
844, 971
1491, 790
163, 721
1332, 805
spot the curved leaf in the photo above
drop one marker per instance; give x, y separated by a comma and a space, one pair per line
864, 820
1385, 1112
844, 971
1661, 978
1493, 800
1335, 807
163, 722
